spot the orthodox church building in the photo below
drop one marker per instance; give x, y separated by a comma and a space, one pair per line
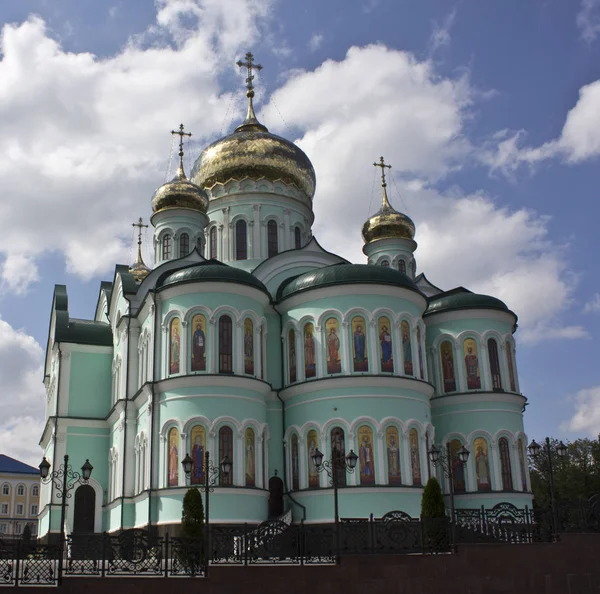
250, 341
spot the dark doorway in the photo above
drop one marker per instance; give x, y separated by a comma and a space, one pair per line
85, 510
275, 497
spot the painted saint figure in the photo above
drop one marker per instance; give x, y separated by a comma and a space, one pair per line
295, 464
250, 458
482, 464
198, 438
472, 365
415, 457
359, 340
248, 346
199, 343
458, 469
385, 344
448, 367
173, 465
393, 456
292, 355
366, 457
175, 343
310, 369
312, 442
406, 348
420, 353
334, 365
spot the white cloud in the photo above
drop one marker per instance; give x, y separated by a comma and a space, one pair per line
579, 140
85, 140
419, 126
593, 305
588, 19
440, 36
586, 418
22, 398
315, 42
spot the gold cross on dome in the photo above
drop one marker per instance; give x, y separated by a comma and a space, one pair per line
181, 134
250, 65
383, 166
140, 225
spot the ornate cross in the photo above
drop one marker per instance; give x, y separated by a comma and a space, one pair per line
383, 166
181, 134
250, 65
140, 226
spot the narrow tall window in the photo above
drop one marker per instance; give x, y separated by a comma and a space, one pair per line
225, 450
402, 266
184, 245
225, 345
166, 247
213, 243
494, 364
297, 238
338, 451
241, 247
272, 242
385, 263
507, 483
199, 245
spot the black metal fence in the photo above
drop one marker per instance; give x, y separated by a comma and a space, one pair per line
142, 554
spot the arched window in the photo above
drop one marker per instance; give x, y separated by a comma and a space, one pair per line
507, 483
5, 489
166, 247
295, 464
415, 457
272, 242
482, 464
297, 237
173, 459
226, 450
366, 455
385, 263
225, 345
458, 469
20, 491
338, 450
184, 245
241, 240
35, 491
511, 368
213, 243
250, 457
292, 355
402, 266
199, 245
494, 364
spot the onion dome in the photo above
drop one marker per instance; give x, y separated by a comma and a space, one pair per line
387, 223
180, 192
461, 299
253, 152
138, 269
345, 274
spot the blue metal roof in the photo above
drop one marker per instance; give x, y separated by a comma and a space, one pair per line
12, 466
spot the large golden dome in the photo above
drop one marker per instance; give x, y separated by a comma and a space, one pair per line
180, 193
253, 152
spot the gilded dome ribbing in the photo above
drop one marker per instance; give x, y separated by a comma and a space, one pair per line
180, 193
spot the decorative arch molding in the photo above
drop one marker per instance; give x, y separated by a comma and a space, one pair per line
197, 309
331, 312
385, 311
406, 317
308, 318
289, 325
414, 424
194, 421
164, 231
290, 431
249, 313
225, 309
443, 338
225, 420
173, 313
272, 217
481, 433
252, 424
492, 334
512, 440
98, 491
329, 425
454, 435
398, 423
307, 427
358, 311
240, 216
168, 425
465, 334
362, 421
177, 235
521, 435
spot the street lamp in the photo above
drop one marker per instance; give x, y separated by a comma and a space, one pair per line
561, 449
438, 458
211, 474
64, 480
332, 467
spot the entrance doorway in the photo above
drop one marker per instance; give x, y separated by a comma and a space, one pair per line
85, 510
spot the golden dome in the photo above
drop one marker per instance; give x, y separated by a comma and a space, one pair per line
253, 152
179, 193
387, 223
138, 269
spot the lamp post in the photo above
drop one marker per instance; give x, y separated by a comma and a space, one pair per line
332, 467
444, 461
211, 474
561, 449
64, 479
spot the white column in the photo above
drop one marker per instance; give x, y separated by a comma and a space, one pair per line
214, 353
285, 242
300, 369
221, 243
265, 359
256, 232
134, 360
344, 347
518, 486
397, 351
381, 478
319, 355
373, 342
414, 351
302, 462
238, 340
484, 368
323, 476
257, 351
496, 484
461, 375
165, 350
513, 352
407, 477
258, 454
226, 234
183, 450
183, 353
239, 463
129, 457
250, 238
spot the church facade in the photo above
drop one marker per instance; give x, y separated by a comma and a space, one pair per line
251, 342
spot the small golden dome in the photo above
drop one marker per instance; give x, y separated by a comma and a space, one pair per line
180, 193
387, 223
138, 269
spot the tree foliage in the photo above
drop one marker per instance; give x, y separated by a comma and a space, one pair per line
432, 503
192, 515
27, 533
576, 475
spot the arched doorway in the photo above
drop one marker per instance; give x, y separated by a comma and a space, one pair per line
275, 497
85, 510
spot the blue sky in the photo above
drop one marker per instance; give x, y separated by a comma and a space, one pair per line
488, 112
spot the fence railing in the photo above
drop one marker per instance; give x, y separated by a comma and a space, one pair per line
142, 554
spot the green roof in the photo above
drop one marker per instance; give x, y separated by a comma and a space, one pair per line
461, 298
85, 332
345, 274
211, 270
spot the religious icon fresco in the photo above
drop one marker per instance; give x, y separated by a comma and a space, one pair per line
310, 369
420, 350
312, 445
447, 356
359, 344
406, 348
482, 464
332, 342
458, 469
472, 364
248, 346
392, 440
292, 355
250, 457
366, 455
198, 441
385, 344
295, 463
174, 345
511, 369
338, 451
173, 466
198, 343
415, 456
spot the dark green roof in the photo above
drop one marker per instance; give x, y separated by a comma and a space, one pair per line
345, 274
211, 270
461, 298
85, 332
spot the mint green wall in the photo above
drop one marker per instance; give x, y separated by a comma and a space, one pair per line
211, 300
90, 385
274, 362
275, 444
91, 443
455, 327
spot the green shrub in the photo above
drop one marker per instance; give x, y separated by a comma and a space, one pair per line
432, 503
191, 552
435, 528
